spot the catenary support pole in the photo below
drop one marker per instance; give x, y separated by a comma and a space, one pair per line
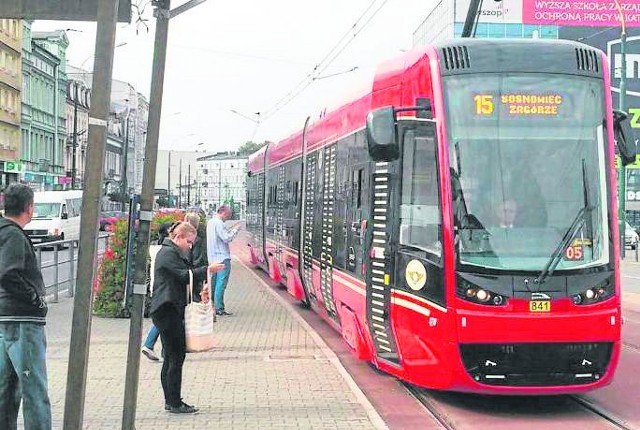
162, 14
98, 117
146, 214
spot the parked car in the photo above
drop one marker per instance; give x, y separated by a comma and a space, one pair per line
631, 238
109, 217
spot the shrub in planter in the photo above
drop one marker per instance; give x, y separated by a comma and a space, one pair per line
109, 300
111, 275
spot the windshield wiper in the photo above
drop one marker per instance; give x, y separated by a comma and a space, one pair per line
587, 201
579, 220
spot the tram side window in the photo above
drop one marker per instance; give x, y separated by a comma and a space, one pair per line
420, 209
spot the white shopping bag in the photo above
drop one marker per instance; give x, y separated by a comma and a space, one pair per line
198, 322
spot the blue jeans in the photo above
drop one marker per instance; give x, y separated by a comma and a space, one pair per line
152, 337
221, 279
23, 375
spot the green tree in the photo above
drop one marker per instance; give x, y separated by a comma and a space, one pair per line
250, 147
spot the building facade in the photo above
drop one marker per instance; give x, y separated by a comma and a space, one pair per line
10, 96
129, 112
222, 179
174, 170
43, 122
77, 133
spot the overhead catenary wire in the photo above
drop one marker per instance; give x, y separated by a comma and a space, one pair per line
327, 60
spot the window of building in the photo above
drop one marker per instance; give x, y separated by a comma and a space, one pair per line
513, 30
528, 30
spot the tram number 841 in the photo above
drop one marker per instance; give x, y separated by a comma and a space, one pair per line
540, 306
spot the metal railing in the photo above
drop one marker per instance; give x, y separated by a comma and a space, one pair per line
59, 267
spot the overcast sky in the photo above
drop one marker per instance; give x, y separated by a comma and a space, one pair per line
247, 56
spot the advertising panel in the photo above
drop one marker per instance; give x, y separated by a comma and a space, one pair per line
592, 13
579, 13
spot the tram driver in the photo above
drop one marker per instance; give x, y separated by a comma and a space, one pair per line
506, 212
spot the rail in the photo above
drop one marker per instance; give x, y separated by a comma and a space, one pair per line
59, 266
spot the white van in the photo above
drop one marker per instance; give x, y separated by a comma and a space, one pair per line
56, 216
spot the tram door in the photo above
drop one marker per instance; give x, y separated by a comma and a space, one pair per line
308, 194
260, 207
356, 218
280, 230
379, 262
325, 221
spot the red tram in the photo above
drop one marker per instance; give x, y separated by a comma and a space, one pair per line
457, 223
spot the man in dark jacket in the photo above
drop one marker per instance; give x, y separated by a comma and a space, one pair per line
23, 308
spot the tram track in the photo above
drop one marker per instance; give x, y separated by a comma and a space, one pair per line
447, 421
429, 403
601, 412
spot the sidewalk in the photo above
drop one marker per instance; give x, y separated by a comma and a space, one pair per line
271, 371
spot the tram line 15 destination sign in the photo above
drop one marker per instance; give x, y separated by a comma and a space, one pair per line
62, 10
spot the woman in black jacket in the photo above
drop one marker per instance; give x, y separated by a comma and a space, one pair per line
171, 276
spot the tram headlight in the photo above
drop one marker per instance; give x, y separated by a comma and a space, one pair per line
483, 295
473, 293
595, 294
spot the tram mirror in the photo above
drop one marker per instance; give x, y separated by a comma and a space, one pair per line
624, 137
382, 138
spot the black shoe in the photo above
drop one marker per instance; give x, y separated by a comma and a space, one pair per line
223, 312
182, 409
168, 407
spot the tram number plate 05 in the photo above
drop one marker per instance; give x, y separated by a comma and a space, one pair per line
540, 306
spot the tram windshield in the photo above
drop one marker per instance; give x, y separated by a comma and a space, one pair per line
527, 156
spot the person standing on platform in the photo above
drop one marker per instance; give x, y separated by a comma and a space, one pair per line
199, 248
218, 238
23, 311
171, 277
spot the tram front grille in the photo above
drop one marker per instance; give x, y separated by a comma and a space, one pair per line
536, 364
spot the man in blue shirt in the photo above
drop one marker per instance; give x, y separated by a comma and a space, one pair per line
218, 238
